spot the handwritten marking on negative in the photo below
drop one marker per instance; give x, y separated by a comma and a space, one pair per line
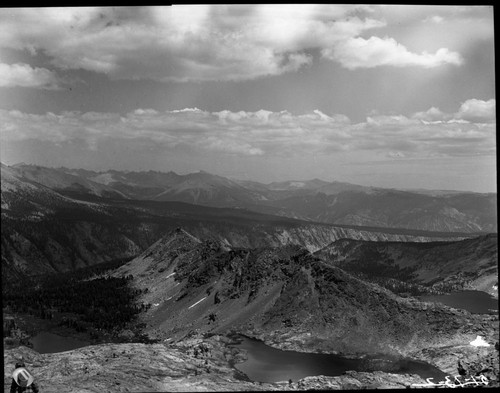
455, 383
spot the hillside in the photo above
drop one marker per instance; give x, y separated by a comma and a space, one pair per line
58, 180
466, 264
283, 295
461, 212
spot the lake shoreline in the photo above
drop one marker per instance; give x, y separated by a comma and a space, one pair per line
473, 301
252, 362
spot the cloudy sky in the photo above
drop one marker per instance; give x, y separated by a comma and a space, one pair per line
391, 96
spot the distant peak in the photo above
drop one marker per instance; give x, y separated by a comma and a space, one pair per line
179, 232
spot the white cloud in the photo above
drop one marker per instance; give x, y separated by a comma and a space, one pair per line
262, 133
23, 75
432, 115
431, 133
373, 52
183, 43
477, 110
145, 112
470, 111
163, 43
384, 120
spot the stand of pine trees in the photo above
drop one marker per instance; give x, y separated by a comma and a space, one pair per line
91, 300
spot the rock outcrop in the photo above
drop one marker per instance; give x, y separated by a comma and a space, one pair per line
175, 368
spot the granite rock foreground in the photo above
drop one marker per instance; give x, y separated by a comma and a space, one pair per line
191, 365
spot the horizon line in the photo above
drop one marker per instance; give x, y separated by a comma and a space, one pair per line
233, 178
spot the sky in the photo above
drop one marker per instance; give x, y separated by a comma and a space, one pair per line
389, 96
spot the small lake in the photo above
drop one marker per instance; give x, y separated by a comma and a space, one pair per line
45, 342
476, 302
267, 364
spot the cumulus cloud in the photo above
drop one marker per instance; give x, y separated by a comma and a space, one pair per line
431, 133
477, 111
373, 52
432, 115
23, 75
185, 43
263, 133
470, 111
243, 133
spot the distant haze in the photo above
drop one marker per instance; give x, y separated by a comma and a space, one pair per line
388, 96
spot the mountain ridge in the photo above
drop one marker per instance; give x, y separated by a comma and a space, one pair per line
319, 182
434, 266
311, 200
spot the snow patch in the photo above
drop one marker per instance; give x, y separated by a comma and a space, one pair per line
479, 342
199, 301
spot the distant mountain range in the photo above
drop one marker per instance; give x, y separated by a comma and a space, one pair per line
313, 200
49, 224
